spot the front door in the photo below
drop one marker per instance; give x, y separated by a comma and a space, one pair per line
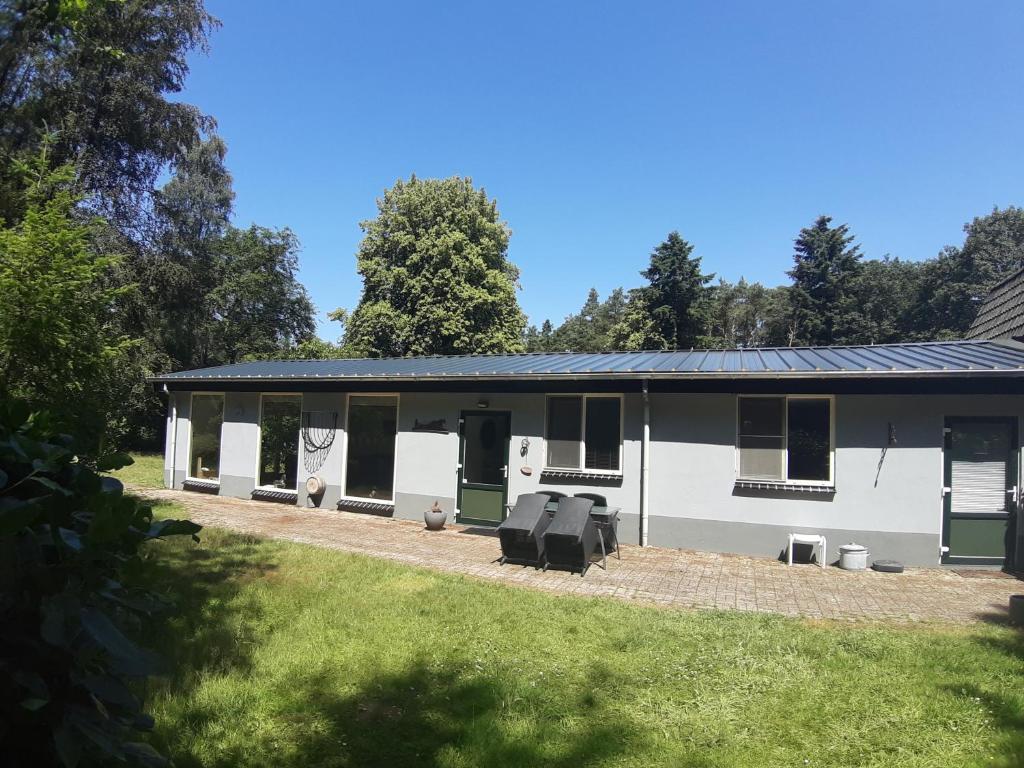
483, 473
980, 491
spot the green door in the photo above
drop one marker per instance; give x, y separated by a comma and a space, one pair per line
483, 468
980, 494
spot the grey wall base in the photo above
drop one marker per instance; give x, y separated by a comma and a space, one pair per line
179, 479
411, 506
915, 549
239, 487
327, 500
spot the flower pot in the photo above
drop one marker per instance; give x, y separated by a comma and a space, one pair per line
435, 518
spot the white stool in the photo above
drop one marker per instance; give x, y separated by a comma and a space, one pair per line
808, 538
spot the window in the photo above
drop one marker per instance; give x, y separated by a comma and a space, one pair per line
206, 418
370, 463
584, 432
785, 439
279, 441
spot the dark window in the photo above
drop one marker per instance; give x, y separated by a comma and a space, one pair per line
206, 418
785, 438
761, 438
564, 420
809, 442
370, 464
603, 433
279, 441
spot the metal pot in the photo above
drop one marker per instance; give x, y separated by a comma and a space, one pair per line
853, 557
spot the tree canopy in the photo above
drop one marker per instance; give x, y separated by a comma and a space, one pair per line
436, 274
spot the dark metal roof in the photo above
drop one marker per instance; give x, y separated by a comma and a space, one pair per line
931, 359
1002, 314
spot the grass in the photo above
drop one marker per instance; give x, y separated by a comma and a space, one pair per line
146, 472
290, 655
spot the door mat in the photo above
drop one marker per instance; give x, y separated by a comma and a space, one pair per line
984, 573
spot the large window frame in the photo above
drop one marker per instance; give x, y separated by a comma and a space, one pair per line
345, 495
191, 432
786, 480
584, 397
259, 442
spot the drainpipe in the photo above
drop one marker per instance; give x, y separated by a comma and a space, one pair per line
174, 431
645, 457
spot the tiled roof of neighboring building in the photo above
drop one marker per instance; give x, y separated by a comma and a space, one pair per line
1002, 314
953, 358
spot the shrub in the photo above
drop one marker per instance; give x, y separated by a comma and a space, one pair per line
70, 676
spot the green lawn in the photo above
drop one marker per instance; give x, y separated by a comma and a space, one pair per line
146, 472
289, 655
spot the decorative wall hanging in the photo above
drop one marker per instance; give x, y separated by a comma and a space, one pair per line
319, 429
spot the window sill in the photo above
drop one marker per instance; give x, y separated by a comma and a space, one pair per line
374, 507
263, 493
782, 485
195, 484
551, 473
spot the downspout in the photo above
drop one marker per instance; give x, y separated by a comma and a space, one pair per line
645, 458
174, 431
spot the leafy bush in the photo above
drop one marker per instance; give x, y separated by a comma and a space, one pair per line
70, 676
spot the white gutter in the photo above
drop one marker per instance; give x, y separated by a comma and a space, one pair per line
645, 454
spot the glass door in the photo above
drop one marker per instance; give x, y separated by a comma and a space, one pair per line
483, 473
980, 493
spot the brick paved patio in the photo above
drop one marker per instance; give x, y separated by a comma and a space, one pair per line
668, 577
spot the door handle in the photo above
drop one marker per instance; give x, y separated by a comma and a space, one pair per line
1014, 494
504, 471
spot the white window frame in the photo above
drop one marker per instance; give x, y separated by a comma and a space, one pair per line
785, 440
259, 442
582, 468
191, 429
345, 496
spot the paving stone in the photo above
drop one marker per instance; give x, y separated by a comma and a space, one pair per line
664, 577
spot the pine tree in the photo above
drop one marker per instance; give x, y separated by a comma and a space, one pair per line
823, 297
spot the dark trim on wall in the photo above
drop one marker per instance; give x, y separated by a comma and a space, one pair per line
952, 385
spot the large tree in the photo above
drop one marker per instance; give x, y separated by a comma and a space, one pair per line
954, 284
589, 330
258, 307
673, 311
97, 74
436, 274
826, 268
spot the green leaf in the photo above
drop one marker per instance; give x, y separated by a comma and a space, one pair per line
71, 539
129, 657
52, 485
33, 705
173, 528
111, 690
17, 514
113, 461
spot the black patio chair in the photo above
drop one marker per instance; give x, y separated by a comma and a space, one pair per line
522, 533
572, 536
609, 528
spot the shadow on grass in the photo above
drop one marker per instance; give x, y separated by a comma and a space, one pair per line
205, 629
424, 715
1006, 711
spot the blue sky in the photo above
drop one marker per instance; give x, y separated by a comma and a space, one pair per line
601, 127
